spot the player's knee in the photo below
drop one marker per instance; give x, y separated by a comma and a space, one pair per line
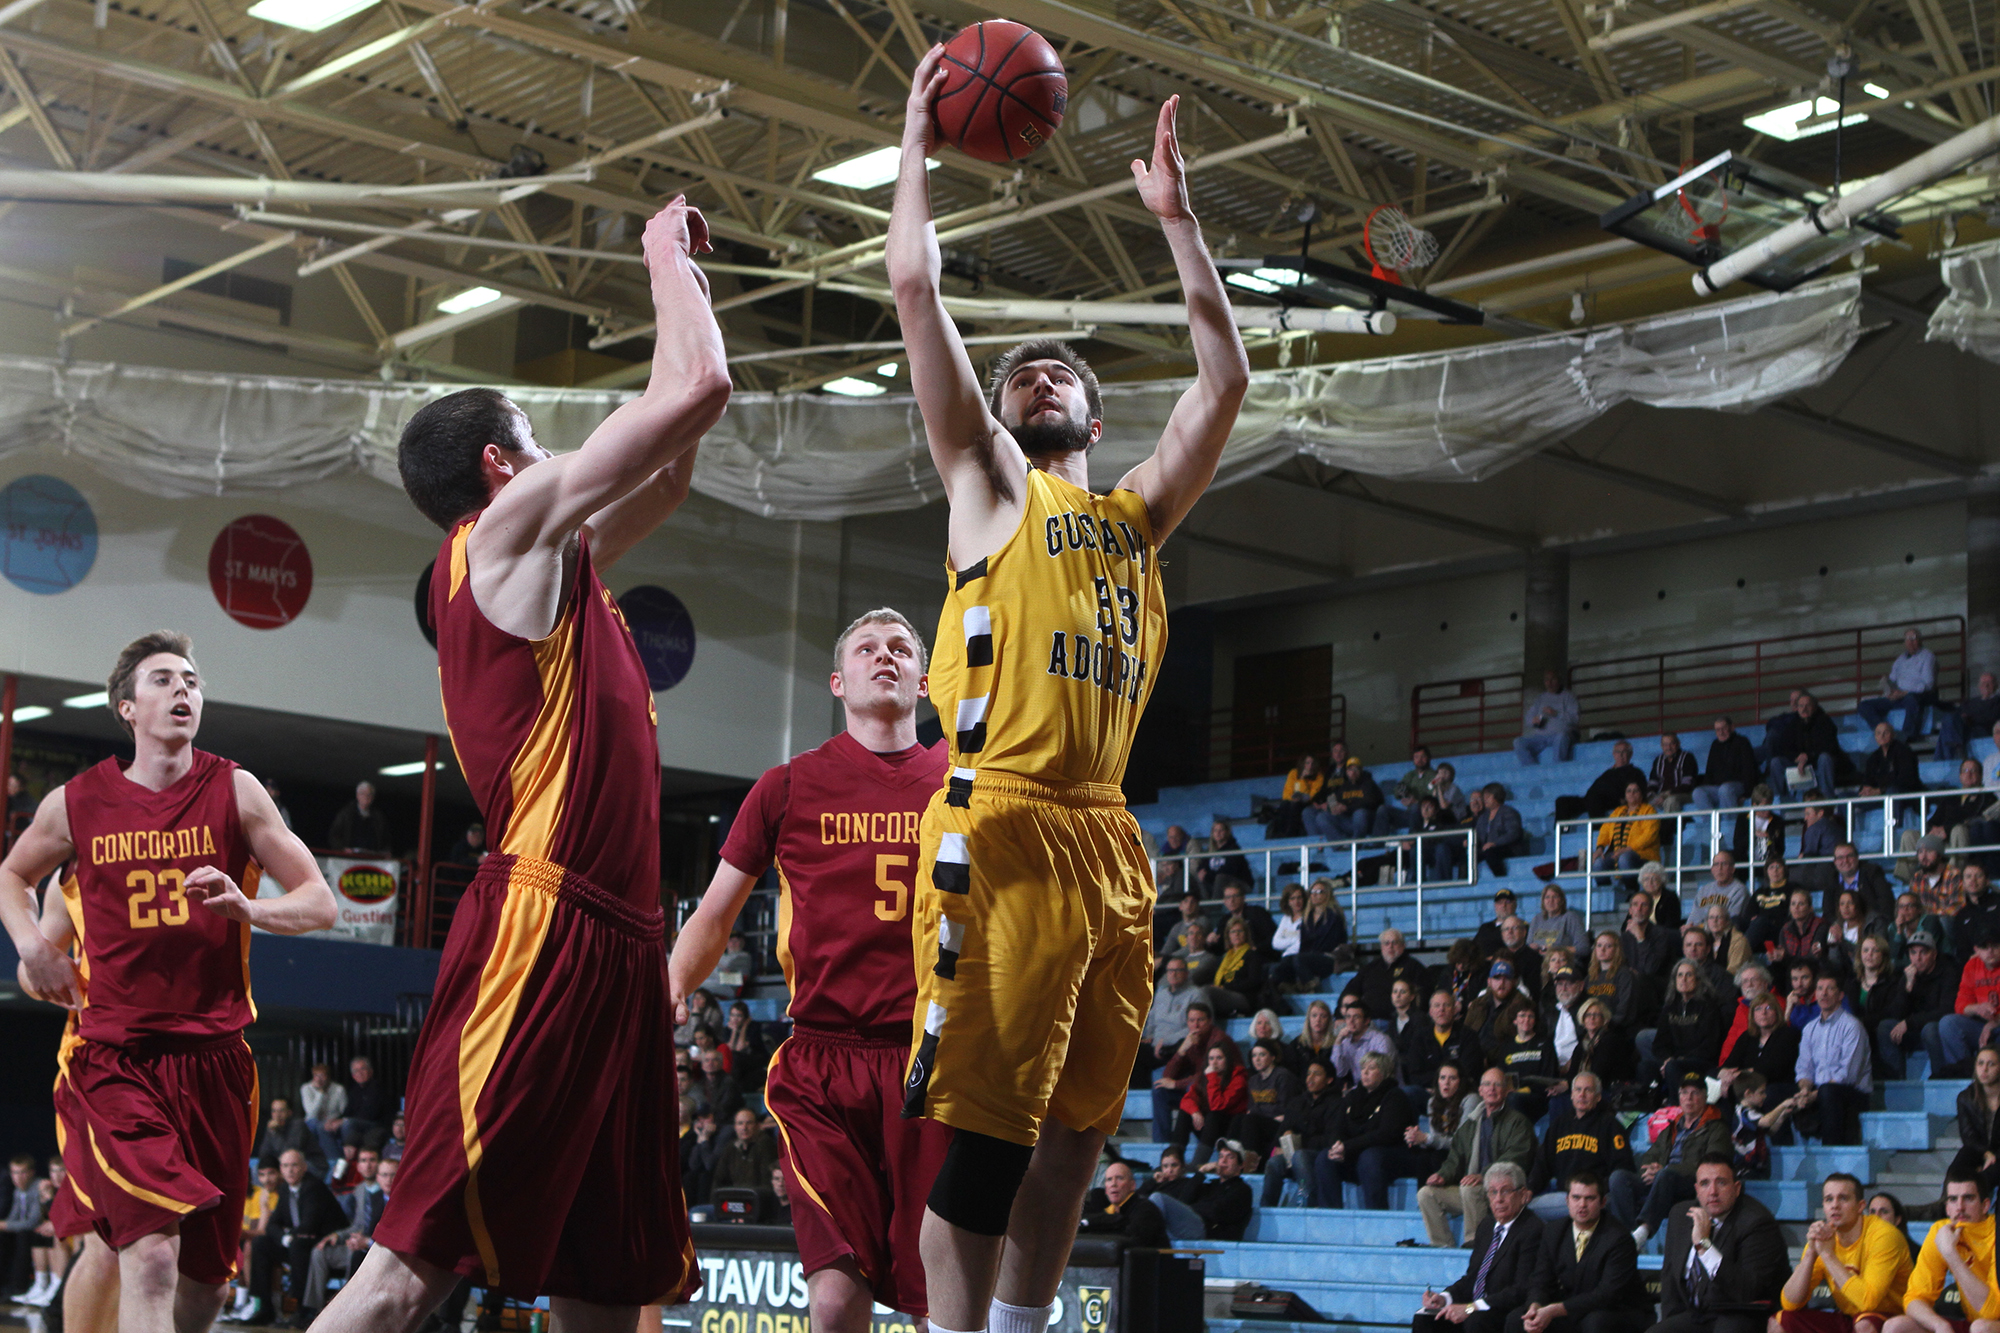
150, 1266
975, 1188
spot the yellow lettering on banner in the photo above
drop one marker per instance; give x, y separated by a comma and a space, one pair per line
709, 1320
766, 1324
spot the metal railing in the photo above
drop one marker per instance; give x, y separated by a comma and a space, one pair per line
1404, 855
1687, 688
1717, 831
1273, 740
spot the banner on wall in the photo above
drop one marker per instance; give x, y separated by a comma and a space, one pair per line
663, 631
364, 894
260, 571
48, 534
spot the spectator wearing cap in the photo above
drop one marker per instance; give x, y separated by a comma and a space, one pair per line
1928, 994
1549, 722
1667, 1167
1353, 801
1976, 1009
1910, 918
1562, 1006
1491, 1134
1225, 1203
1977, 716
1910, 684
1833, 1068
1488, 937
1491, 1015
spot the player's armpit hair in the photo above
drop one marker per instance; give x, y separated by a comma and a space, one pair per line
975, 1187
438, 455
119, 687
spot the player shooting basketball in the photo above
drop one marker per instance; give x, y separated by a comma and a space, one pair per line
1035, 900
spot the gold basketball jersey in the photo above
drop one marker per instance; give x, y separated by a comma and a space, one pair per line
1048, 648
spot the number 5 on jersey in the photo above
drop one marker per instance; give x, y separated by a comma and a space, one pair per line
898, 905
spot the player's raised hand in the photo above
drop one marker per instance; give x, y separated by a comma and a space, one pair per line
925, 85
218, 893
47, 974
676, 231
1163, 186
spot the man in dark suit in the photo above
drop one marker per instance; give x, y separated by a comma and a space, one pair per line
1587, 1276
1849, 871
305, 1214
1504, 1251
1726, 1260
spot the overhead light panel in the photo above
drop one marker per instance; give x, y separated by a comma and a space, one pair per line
869, 170
888, 369
405, 770
1283, 277
307, 15
1252, 282
1874, 90
1783, 122
470, 299
97, 700
854, 388
32, 713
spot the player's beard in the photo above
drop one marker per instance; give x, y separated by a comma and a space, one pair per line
1042, 439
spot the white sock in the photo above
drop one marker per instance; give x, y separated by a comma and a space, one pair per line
1640, 1235
1005, 1318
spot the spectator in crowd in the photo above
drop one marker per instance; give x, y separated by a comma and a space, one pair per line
1878, 987
392, 1151
1666, 901
1174, 940
1225, 864
1753, 981
360, 827
1610, 981
1820, 833
1498, 830
1170, 872
1698, 947
1600, 1048
1849, 871
1801, 937
1731, 772
716, 1089
1768, 1046
1285, 926
1170, 1188
1237, 907
1453, 802
744, 1047
1188, 1061
1491, 1014
1767, 825
1959, 1247
702, 1012
1778, 721
17, 1234
745, 1161
19, 803
1833, 1069
1378, 974
1492, 1133
1910, 684
1271, 1088
1975, 1009
305, 1214
1668, 1169
1909, 921
1929, 992
1358, 1038
1977, 716
1307, 1132
1587, 1276
1322, 934
735, 969
1725, 1261
1198, 951
1562, 1010
1841, 936
1935, 881
1399, 811
1648, 946
1801, 1003
1673, 777
1550, 722
778, 1207
1730, 946
1557, 926
337, 1255
1889, 1208
1891, 767
1353, 806
1978, 1135
1980, 912
1224, 1204
1213, 1103
370, 1106
284, 1132
470, 849
1303, 786
1963, 819
1626, 840
1403, 1012
1804, 749
1590, 1138
1237, 988
1722, 886
1367, 1144
1316, 1038
1506, 1244
1166, 1021
1463, 973
1444, 1111
1114, 1208
1529, 1057
1607, 791
324, 1101
701, 1144
1689, 1037
259, 1206
1443, 1039
1487, 938
1527, 960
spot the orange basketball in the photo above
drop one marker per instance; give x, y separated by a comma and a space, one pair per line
1003, 94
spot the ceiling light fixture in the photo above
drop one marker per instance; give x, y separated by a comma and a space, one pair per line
307, 15
887, 369
97, 700
1783, 122
31, 713
869, 170
409, 770
470, 299
851, 387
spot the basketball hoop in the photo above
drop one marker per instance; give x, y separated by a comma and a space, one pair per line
1697, 215
1393, 243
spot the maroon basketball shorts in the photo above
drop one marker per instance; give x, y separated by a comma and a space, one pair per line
858, 1174
157, 1135
542, 1156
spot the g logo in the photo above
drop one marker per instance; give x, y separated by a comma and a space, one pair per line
1095, 1308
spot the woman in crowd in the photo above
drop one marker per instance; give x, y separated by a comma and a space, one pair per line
1801, 936
1626, 840
1403, 1004
1369, 1148
1690, 1030
1270, 1088
1600, 1049
1463, 974
1889, 1208
1529, 1057
1453, 804
1445, 1111
1302, 787
1315, 1040
1666, 903
1769, 1045
1767, 826
1556, 926
1727, 945
1322, 931
1649, 946
1212, 1104
1291, 916
1875, 992
1239, 982
1978, 1105
1840, 940
1224, 865
1439, 850
702, 1013
1611, 981
747, 1053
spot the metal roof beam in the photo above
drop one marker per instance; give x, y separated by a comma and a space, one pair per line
1565, 458
1342, 485
1873, 439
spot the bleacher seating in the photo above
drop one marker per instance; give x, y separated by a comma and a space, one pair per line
1346, 1263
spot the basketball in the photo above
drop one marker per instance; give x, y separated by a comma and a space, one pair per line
1004, 91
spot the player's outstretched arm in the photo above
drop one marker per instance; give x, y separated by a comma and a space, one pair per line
698, 948
623, 524
307, 903
1183, 465
684, 398
983, 470
45, 971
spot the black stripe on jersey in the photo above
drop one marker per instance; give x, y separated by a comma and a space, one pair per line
916, 1092
950, 877
951, 934
979, 650
973, 741
958, 792
971, 572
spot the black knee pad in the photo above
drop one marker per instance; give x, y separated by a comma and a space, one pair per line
975, 1187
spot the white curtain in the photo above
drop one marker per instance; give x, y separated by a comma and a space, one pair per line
1969, 315
1445, 416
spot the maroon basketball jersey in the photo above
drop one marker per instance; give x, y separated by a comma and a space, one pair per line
840, 823
154, 962
557, 737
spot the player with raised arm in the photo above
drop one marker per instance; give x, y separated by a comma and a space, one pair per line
156, 1093
1035, 900
541, 1154
840, 823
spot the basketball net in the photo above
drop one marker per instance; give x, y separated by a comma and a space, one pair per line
1698, 211
1392, 243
